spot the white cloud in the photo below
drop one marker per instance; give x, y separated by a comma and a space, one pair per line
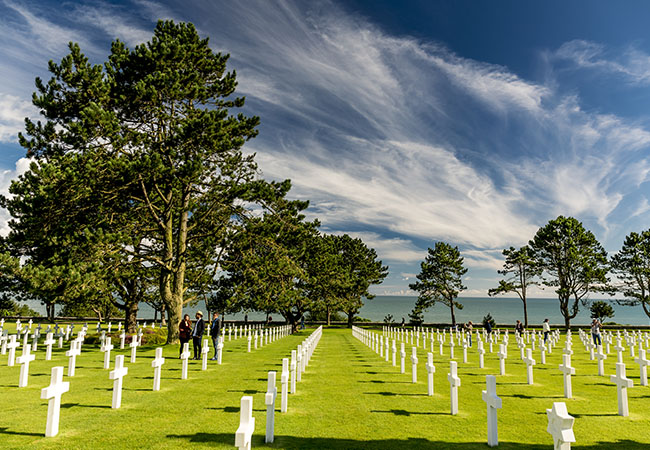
388, 249
6, 177
13, 111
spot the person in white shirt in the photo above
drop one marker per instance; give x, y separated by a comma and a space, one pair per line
546, 328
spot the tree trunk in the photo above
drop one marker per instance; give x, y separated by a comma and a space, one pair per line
350, 319
453, 316
525, 313
329, 314
131, 317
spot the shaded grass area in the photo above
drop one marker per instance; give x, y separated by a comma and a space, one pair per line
349, 398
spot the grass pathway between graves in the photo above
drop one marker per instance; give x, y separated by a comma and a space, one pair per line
349, 398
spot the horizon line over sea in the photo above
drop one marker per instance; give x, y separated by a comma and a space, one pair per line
504, 310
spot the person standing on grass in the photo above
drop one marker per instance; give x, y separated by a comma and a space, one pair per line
184, 331
197, 334
546, 328
215, 332
302, 322
595, 331
469, 328
519, 328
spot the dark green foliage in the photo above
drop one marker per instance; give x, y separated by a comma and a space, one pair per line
488, 319
601, 310
388, 319
632, 268
439, 279
521, 269
416, 316
321, 315
573, 262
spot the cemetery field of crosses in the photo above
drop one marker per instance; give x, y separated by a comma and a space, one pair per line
323, 388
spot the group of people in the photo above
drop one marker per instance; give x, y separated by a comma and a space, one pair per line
187, 330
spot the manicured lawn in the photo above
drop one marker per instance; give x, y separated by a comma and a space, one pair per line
349, 398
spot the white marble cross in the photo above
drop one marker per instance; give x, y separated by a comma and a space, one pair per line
12, 345
25, 359
106, 347
530, 362
244, 433
293, 371
284, 382
643, 365
542, 350
269, 401
567, 371
117, 375
601, 361
560, 426
53, 394
451, 348
414, 364
502, 359
464, 350
220, 349
75, 350
394, 351
454, 383
431, 369
619, 349
493, 403
622, 383
481, 353
49, 342
122, 338
134, 346
522, 347
249, 342
205, 349
185, 356
387, 347
299, 363
402, 355
4, 338
157, 364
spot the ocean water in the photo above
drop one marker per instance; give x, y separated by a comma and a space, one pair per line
503, 310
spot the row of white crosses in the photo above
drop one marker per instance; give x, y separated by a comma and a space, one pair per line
267, 335
299, 361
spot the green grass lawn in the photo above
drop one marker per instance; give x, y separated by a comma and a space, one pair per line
349, 398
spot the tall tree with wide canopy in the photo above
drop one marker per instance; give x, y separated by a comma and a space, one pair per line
440, 279
160, 151
573, 262
521, 270
631, 265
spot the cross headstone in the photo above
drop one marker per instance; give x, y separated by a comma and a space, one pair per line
414, 364
4, 338
12, 346
122, 338
249, 342
117, 375
53, 394
269, 401
502, 359
643, 365
493, 403
75, 350
299, 363
601, 361
394, 351
205, 349
25, 359
134, 346
244, 433
284, 382
522, 347
49, 342
431, 369
220, 349
567, 371
106, 347
542, 350
622, 383
619, 349
465, 351
560, 426
481, 353
530, 362
454, 383
185, 356
157, 364
293, 371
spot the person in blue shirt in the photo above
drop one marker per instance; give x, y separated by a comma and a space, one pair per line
215, 332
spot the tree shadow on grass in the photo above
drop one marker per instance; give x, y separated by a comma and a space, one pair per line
395, 394
245, 391
226, 409
383, 382
403, 412
530, 397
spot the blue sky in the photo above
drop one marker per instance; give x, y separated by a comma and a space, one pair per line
405, 123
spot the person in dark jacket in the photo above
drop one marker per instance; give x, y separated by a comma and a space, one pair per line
215, 332
184, 331
197, 334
